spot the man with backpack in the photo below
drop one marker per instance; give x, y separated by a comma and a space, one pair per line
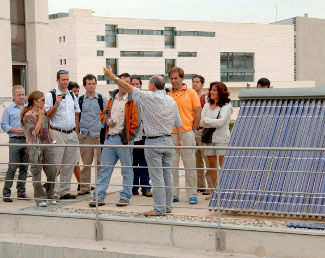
63, 110
91, 105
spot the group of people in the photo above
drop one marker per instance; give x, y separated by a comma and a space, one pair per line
129, 117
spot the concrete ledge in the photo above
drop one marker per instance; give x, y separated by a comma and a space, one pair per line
196, 236
21, 247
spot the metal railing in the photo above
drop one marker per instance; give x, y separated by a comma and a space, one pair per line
218, 190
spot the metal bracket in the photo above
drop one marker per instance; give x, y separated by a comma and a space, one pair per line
221, 240
99, 232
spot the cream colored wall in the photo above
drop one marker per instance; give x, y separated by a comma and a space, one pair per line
5, 46
311, 50
272, 45
36, 13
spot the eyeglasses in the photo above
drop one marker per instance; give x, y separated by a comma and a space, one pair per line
63, 72
41, 100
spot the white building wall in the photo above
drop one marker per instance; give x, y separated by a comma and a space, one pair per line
272, 46
5, 46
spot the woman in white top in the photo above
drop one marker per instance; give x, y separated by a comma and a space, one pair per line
216, 114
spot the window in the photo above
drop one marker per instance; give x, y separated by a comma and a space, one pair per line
142, 53
60, 61
169, 33
100, 53
63, 38
235, 103
236, 67
101, 78
60, 39
169, 64
64, 61
100, 38
139, 32
112, 63
110, 35
196, 33
187, 54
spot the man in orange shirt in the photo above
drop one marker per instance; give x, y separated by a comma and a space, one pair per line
189, 107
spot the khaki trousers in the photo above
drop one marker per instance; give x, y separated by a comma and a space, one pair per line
64, 155
203, 176
188, 158
87, 156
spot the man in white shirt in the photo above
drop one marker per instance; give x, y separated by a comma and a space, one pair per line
63, 110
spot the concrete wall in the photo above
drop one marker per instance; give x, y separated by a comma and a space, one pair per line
36, 12
311, 50
5, 46
261, 242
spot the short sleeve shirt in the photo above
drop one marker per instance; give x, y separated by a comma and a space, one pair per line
187, 100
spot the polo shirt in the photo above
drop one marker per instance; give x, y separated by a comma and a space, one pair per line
186, 99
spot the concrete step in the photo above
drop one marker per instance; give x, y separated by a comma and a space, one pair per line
43, 247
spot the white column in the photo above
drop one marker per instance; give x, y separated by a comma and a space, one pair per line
5, 46
36, 13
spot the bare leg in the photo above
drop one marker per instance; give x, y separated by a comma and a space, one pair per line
213, 165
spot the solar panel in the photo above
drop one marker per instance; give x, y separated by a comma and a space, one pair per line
276, 181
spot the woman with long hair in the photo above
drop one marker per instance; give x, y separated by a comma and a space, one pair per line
216, 114
37, 131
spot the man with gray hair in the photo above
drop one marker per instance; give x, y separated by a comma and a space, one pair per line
11, 125
159, 115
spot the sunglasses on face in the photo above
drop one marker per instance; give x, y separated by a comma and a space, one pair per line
41, 100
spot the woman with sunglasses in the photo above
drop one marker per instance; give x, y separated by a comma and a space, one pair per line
216, 114
37, 131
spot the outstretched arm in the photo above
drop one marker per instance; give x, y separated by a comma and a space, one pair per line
108, 72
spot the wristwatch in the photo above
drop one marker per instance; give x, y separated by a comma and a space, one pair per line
116, 79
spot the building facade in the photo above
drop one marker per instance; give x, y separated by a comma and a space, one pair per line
309, 48
24, 44
238, 54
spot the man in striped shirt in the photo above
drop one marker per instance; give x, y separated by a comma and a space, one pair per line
160, 115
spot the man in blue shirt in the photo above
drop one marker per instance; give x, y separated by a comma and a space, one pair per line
11, 125
91, 105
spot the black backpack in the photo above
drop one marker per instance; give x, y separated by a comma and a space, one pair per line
53, 92
101, 105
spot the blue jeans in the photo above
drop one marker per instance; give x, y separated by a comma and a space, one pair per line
110, 156
159, 162
140, 174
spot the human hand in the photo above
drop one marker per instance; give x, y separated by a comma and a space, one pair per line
41, 112
108, 72
109, 123
58, 100
219, 117
19, 131
179, 143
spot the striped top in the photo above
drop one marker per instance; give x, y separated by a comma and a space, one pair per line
159, 112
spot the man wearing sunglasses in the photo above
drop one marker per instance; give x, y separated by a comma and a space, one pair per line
62, 108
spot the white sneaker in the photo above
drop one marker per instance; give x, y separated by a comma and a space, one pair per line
42, 204
53, 202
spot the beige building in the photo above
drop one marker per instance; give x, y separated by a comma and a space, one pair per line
237, 54
309, 48
24, 45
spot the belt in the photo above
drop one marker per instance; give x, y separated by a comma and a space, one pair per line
62, 131
154, 137
19, 137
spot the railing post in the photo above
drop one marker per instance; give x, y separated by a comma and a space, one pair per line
98, 226
221, 240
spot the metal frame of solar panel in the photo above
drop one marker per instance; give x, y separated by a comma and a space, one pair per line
275, 182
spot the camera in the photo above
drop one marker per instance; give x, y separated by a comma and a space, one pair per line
63, 96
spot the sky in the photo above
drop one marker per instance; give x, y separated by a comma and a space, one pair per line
242, 11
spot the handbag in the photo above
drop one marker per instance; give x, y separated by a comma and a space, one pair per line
208, 132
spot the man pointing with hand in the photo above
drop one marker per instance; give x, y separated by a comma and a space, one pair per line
160, 115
